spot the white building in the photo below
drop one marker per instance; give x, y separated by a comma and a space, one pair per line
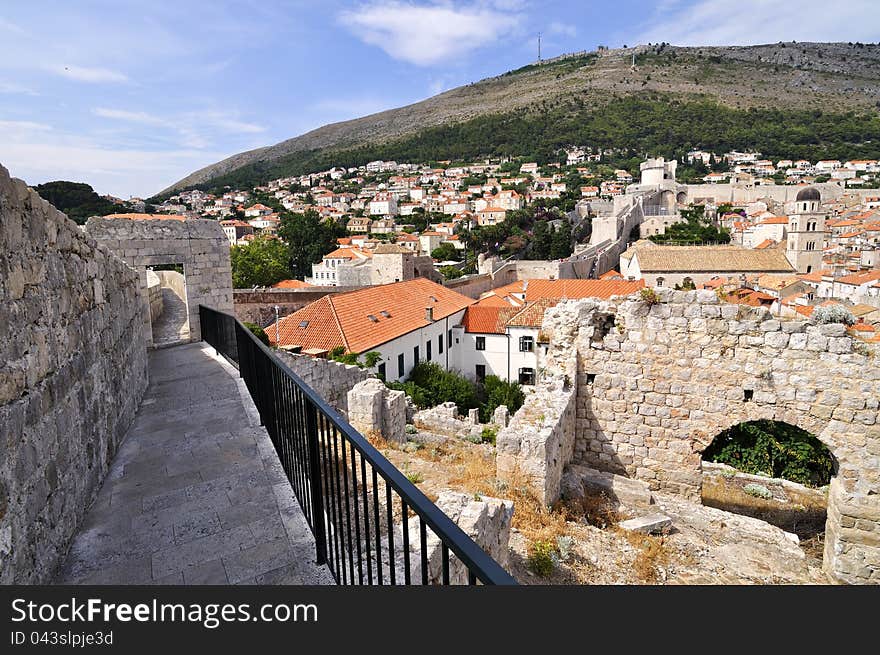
383, 204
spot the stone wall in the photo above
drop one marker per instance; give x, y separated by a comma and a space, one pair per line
444, 419
656, 383
331, 380
154, 291
258, 307
200, 245
73, 369
373, 408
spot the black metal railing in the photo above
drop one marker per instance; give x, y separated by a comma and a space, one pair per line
371, 524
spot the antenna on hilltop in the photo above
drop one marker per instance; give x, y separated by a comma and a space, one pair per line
539, 46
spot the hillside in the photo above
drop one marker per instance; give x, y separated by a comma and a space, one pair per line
76, 199
791, 82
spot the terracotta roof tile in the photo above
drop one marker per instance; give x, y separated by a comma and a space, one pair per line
291, 284
696, 259
343, 319
488, 319
572, 289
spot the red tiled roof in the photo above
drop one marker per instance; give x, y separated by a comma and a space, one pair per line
859, 279
611, 275
148, 217
532, 315
488, 319
536, 289
343, 319
291, 284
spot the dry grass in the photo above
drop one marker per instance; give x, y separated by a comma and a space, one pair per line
651, 555
595, 509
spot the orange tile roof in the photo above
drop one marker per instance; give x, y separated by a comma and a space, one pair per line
342, 319
815, 276
775, 220
766, 243
806, 310
611, 275
346, 253
291, 284
859, 279
488, 319
536, 289
148, 217
491, 300
514, 287
849, 235
532, 315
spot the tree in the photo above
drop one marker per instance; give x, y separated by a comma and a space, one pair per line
308, 239
541, 245
560, 246
262, 263
450, 272
445, 252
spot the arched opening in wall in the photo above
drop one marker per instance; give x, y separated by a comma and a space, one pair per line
773, 471
681, 198
169, 309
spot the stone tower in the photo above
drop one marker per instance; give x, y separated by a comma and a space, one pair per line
806, 232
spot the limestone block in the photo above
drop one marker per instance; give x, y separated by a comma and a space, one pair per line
651, 524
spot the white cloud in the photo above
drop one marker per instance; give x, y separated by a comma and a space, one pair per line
562, 29
11, 88
16, 130
714, 22
89, 74
426, 35
130, 116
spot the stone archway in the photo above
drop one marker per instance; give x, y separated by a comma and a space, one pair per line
199, 246
654, 391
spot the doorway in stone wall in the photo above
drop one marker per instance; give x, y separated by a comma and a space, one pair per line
169, 310
773, 471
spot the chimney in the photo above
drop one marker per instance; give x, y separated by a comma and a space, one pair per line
429, 314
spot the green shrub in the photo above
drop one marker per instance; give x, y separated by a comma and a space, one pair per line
258, 332
649, 296
773, 448
499, 392
542, 558
372, 358
489, 434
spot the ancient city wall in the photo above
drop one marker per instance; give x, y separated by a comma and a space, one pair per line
657, 382
154, 291
174, 281
73, 369
199, 245
331, 380
258, 307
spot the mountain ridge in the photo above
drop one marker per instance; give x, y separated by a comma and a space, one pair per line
832, 77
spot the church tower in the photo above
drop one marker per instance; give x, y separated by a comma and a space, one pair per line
806, 232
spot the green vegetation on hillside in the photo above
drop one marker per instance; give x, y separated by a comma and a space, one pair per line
77, 200
653, 123
775, 449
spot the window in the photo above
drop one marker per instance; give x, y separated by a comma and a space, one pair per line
401, 366
481, 372
439, 344
381, 371
428, 350
809, 270
449, 338
481, 343
416, 356
527, 376
660, 281
526, 344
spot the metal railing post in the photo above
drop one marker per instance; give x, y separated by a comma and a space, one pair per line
315, 484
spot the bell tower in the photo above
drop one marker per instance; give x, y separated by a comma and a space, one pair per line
806, 232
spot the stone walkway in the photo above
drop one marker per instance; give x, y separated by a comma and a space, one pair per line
196, 494
172, 326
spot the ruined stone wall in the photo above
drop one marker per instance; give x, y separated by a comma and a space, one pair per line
200, 245
331, 380
444, 419
73, 369
656, 384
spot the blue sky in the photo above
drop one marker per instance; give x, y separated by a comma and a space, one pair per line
131, 96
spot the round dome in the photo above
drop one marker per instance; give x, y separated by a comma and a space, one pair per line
809, 193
